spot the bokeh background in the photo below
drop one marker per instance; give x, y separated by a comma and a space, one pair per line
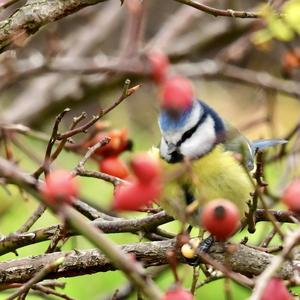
47, 73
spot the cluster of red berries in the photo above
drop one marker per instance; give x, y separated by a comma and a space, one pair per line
110, 162
144, 187
175, 92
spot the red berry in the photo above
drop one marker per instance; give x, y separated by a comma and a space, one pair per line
159, 64
291, 196
178, 293
221, 218
119, 142
114, 167
59, 187
177, 94
276, 290
136, 195
145, 167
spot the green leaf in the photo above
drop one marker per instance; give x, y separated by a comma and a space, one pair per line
279, 29
261, 37
291, 14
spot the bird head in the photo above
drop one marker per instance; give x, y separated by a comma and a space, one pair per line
189, 127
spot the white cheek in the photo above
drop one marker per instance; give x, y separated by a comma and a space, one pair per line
173, 136
201, 142
163, 149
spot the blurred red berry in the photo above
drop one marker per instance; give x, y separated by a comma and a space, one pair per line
59, 187
119, 142
178, 293
177, 94
221, 218
276, 290
132, 197
145, 167
291, 196
114, 167
159, 64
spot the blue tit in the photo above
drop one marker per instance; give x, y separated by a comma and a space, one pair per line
200, 139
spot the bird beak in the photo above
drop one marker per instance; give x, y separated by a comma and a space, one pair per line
171, 148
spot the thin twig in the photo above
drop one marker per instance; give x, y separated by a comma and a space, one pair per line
239, 278
125, 94
32, 219
291, 240
53, 138
220, 12
91, 151
99, 175
49, 291
37, 277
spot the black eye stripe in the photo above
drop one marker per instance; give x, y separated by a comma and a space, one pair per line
191, 131
220, 135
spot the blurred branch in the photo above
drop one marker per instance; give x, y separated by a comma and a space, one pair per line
134, 271
291, 240
216, 69
207, 68
53, 89
181, 20
220, 12
34, 14
118, 225
243, 259
6, 4
32, 219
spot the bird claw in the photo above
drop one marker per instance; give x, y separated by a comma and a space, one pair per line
203, 246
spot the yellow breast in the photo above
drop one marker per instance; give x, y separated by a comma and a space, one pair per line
216, 175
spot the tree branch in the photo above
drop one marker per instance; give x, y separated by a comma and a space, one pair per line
243, 259
33, 15
19, 240
219, 12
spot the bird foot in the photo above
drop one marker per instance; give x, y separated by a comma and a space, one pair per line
203, 246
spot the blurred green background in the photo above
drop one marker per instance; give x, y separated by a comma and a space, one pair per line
26, 100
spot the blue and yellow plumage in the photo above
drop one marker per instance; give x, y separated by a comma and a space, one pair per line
199, 147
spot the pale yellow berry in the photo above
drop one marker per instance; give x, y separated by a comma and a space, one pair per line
189, 249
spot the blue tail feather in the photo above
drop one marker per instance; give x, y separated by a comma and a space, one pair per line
262, 144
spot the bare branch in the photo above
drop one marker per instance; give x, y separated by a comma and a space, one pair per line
243, 260
216, 69
34, 14
41, 274
220, 12
116, 225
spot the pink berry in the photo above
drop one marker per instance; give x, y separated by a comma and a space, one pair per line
59, 187
276, 290
178, 293
114, 167
221, 218
177, 94
291, 196
159, 64
145, 168
136, 195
